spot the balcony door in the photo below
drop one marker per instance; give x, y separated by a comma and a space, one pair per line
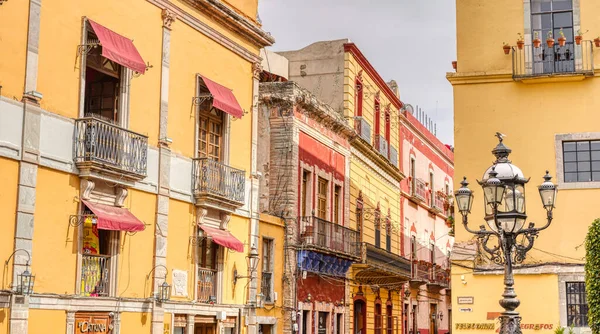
550, 16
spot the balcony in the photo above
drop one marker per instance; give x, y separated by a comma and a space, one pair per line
383, 267
95, 275
394, 156
266, 288
218, 185
438, 202
328, 237
362, 127
440, 277
571, 60
382, 146
418, 190
421, 272
207, 285
102, 148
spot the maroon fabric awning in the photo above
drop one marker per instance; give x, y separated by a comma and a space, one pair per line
115, 218
118, 48
223, 238
223, 98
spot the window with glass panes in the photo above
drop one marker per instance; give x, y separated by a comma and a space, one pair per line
322, 199
552, 16
210, 134
581, 161
577, 307
336, 204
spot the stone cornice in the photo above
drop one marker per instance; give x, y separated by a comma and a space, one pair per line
233, 20
467, 78
290, 93
202, 27
368, 152
368, 162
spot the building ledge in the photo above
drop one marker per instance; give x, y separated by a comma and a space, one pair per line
553, 78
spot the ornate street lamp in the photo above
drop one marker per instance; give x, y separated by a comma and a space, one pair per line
504, 194
25, 279
164, 290
251, 261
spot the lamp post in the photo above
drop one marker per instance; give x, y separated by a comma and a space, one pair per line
504, 197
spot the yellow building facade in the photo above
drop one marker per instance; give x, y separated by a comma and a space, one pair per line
520, 92
128, 162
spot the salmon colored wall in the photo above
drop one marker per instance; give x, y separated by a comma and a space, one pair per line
13, 47
56, 199
58, 72
9, 178
41, 321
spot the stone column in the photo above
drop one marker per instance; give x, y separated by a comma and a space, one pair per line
190, 323
254, 193
164, 158
30, 156
70, 322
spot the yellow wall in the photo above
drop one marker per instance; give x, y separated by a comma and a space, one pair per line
13, 48
247, 7
9, 178
4, 315
180, 255
58, 79
240, 228
54, 238
272, 227
43, 321
136, 322
397, 306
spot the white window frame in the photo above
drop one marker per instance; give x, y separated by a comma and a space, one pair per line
558, 149
125, 77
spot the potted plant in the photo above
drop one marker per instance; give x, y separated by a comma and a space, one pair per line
506, 48
597, 42
536, 40
454, 63
562, 40
549, 39
579, 37
520, 41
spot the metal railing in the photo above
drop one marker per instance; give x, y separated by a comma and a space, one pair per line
95, 275
97, 141
440, 276
266, 286
531, 61
421, 271
393, 156
418, 189
207, 285
438, 201
382, 146
328, 236
211, 177
362, 127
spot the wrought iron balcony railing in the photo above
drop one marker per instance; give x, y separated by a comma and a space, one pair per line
95, 275
266, 287
393, 156
106, 147
531, 61
421, 271
418, 189
438, 201
218, 183
440, 276
207, 285
382, 146
362, 127
328, 236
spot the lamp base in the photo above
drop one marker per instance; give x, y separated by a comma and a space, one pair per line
510, 323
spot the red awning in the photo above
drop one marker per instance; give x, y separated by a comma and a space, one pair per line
223, 238
223, 98
115, 218
118, 48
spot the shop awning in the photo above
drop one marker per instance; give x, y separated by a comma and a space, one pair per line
223, 238
115, 218
118, 48
223, 98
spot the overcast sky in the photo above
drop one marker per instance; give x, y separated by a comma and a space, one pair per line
410, 41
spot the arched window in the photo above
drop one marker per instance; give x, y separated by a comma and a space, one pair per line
389, 317
378, 316
360, 313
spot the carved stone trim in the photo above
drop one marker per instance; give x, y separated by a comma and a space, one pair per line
120, 195
257, 70
200, 215
225, 218
168, 18
87, 186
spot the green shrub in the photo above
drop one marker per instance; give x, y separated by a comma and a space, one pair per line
592, 275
